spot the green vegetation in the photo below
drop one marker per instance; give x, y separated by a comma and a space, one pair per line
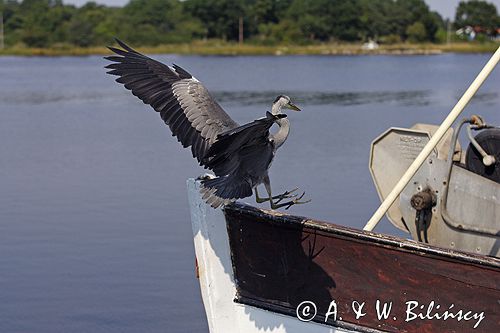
477, 13
216, 26
214, 47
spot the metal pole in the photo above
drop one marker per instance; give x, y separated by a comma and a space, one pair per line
447, 123
240, 30
448, 29
1, 31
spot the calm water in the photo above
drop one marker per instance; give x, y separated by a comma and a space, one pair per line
94, 224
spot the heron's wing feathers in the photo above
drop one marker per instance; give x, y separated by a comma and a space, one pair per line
234, 146
240, 158
223, 190
182, 101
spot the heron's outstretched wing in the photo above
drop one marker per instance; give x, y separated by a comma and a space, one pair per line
182, 101
226, 155
240, 158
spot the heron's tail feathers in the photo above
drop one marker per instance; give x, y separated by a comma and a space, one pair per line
224, 190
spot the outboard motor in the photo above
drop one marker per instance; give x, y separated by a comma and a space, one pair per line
453, 200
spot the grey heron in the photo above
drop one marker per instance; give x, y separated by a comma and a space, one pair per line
239, 156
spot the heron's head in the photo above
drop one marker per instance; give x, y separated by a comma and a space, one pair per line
283, 102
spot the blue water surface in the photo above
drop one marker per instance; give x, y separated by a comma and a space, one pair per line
95, 234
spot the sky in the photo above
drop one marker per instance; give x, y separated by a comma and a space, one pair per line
444, 7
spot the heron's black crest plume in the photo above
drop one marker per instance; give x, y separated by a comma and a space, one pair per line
278, 98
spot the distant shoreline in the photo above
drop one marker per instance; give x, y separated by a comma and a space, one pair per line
234, 49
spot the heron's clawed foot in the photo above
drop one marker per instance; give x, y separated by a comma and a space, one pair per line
288, 204
286, 195
279, 198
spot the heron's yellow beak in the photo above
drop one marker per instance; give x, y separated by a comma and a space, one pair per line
293, 107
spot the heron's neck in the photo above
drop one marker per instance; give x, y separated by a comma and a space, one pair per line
280, 136
284, 127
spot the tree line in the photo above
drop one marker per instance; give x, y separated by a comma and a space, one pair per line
44, 23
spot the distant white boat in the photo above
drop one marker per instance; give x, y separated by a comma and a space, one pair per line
370, 45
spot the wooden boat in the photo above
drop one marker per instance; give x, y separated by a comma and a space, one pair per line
265, 271
259, 271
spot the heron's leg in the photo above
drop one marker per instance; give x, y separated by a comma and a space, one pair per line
277, 204
280, 197
259, 199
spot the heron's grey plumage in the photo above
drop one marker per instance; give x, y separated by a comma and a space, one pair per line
240, 156
184, 104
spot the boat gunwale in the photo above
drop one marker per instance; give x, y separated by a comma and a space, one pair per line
362, 236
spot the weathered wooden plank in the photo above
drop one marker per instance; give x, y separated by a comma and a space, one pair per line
279, 261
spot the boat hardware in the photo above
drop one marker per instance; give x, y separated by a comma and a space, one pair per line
488, 159
440, 133
423, 202
473, 199
473, 122
483, 154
